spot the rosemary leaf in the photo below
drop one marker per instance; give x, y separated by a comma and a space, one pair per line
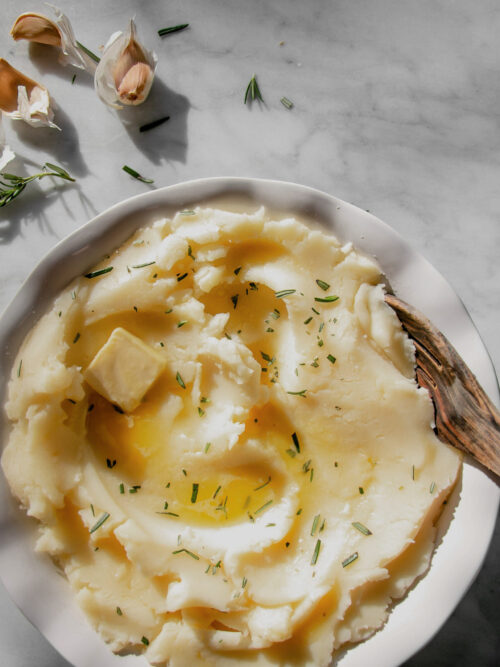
174, 28
136, 174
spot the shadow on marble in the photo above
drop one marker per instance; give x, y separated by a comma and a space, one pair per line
167, 142
62, 146
46, 60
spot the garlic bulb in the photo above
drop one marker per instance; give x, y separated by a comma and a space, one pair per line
126, 71
21, 98
6, 153
58, 32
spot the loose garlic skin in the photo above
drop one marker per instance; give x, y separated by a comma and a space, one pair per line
36, 28
6, 153
126, 71
21, 98
58, 32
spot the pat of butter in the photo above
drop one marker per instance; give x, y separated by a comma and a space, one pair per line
124, 369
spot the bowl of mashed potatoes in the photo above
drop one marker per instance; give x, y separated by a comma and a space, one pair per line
212, 424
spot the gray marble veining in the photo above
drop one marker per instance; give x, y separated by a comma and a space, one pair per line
396, 109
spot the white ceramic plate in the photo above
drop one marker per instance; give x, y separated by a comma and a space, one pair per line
468, 523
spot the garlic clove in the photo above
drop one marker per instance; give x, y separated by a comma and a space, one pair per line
36, 28
57, 32
21, 98
126, 71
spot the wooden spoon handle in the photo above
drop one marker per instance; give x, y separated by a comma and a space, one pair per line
465, 416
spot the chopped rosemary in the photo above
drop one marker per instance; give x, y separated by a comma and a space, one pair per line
119, 611
99, 522
194, 493
361, 490
244, 582
291, 453
92, 509
263, 507
301, 393
299, 511
331, 358
204, 399
77, 337
315, 311
275, 314
253, 91
88, 52
258, 488
174, 28
153, 124
201, 412
217, 491
122, 488
269, 330
432, 487
189, 553
181, 323
179, 278
324, 286
135, 174
296, 442
326, 299
111, 463
100, 272
190, 253
320, 342
234, 299
317, 548
286, 102
180, 381
321, 327
413, 473
308, 320
73, 79
266, 357
284, 292
19, 368
145, 641
184, 473
237, 270
314, 524
361, 528
350, 559
141, 266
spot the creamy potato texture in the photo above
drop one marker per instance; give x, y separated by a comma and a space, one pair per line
220, 433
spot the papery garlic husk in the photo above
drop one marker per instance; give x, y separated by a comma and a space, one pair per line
21, 98
58, 32
126, 71
6, 153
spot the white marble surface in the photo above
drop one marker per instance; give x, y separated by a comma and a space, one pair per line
396, 110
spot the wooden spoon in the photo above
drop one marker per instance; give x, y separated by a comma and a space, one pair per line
465, 416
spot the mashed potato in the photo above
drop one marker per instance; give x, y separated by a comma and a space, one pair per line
219, 431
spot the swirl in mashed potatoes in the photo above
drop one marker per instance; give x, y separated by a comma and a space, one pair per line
220, 433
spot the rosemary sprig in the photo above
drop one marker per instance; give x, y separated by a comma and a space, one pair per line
15, 184
174, 28
253, 91
136, 175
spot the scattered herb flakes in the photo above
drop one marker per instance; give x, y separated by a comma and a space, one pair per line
321, 327
286, 102
167, 312
73, 79
174, 28
194, 492
90, 54
296, 442
217, 491
258, 488
153, 124
283, 293
181, 277
111, 463
299, 511
201, 412
252, 91
181, 323
315, 362
145, 641
315, 524
291, 453
413, 473
263, 507
308, 320
269, 330
362, 529
117, 408
326, 299
266, 357
315, 311
317, 549
361, 490
331, 358
180, 381
99, 522
322, 527
432, 487
92, 509
135, 174
95, 274
119, 611
91, 407
19, 368
184, 473
320, 342
244, 582
311, 474
237, 270
122, 488
141, 266
301, 393
321, 283
189, 553
350, 559
234, 300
